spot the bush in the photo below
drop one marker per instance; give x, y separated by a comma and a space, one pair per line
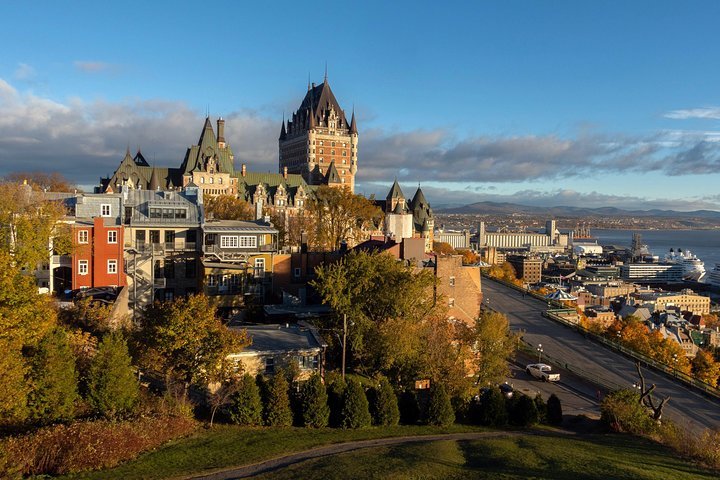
245, 404
53, 380
492, 410
622, 411
409, 408
314, 403
355, 411
542, 408
554, 410
385, 409
62, 449
112, 385
522, 411
440, 411
277, 408
336, 392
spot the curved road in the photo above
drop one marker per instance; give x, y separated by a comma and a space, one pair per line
686, 407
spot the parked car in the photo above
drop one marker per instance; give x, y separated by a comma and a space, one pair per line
542, 372
506, 389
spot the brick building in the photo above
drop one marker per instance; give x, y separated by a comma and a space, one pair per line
528, 269
97, 258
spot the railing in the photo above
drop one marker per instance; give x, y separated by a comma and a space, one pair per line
224, 290
160, 248
217, 249
614, 345
61, 260
159, 282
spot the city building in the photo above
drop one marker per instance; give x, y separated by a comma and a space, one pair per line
318, 142
551, 240
651, 272
529, 269
457, 240
459, 285
408, 219
685, 300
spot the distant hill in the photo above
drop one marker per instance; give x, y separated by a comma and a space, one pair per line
496, 208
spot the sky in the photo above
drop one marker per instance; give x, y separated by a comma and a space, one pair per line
611, 103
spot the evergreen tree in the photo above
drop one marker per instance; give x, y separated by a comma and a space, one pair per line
336, 393
246, 406
554, 410
385, 409
493, 411
53, 380
409, 409
542, 408
14, 391
314, 403
440, 411
355, 411
277, 408
523, 411
112, 385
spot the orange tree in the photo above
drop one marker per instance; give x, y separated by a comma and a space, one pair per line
228, 207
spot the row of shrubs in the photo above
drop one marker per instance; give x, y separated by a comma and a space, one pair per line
273, 402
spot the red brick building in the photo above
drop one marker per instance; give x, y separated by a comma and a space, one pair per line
97, 259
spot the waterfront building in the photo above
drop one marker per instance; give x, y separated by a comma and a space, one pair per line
651, 272
457, 240
551, 240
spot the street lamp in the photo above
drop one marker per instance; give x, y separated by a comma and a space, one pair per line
619, 337
540, 351
675, 360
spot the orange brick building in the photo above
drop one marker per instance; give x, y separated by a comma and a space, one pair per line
97, 259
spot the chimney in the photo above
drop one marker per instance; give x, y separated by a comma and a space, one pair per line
243, 170
221, 132
285, 173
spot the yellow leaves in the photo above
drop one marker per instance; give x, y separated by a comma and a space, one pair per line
228, 207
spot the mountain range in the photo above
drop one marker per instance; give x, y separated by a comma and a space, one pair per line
495, 208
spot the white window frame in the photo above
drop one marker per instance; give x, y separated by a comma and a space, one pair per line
229, 241
112, 236
452, 281
83, 236
248, 241
259, 265
83, 267
112, 267
106, 210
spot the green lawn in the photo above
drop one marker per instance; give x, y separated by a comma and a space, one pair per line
226, 446
600, 457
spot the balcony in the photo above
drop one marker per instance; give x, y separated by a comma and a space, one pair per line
159, 283
161, 248
61, 261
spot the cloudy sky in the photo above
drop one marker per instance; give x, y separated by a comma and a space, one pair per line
535, 102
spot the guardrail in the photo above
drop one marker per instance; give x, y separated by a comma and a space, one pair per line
613, 345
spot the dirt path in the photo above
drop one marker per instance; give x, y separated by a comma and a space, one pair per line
334, 449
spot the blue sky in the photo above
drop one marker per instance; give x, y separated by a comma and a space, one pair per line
581, 103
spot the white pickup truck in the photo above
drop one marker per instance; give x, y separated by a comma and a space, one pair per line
542, 372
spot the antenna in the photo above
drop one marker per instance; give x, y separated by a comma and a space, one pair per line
325, 71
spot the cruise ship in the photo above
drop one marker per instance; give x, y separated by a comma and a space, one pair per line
714, 277
693, 267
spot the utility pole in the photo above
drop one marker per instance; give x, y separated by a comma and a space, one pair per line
344, 344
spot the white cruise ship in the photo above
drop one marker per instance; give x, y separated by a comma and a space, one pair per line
693, 267
714, 277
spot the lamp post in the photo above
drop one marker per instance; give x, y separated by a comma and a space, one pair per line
344, 341
540, 351
675, 360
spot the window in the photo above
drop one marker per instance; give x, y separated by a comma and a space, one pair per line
211, 180
248, 242
168, 212
332, 152
228, 241
321, 150
105, 210
220, 181
344, 154
191, 236
169, 236
140, 237
332, 144
82, 267
190, 268
452, 281
112, 266
155, 212
154, 236
169, 268
259, 267
297, 272
212, 281
112, 236
83, 236
202, 179
269, 365
451, 302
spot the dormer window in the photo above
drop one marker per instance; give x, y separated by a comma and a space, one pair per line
105, 210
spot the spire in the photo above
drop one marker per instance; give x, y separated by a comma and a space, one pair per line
395, 191
283, 132
353, 125
311, 120
325, 81
154, 180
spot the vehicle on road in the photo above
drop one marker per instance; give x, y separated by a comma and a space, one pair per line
506, 389
542, 372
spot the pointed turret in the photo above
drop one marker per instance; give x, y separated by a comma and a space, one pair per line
283, 132
154, 180
395, 192
311, 120
353, 125
332, 177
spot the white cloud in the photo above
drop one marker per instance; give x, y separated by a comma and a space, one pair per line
685, 114
24, 72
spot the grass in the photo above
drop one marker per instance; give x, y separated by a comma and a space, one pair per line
226, 446
525, 457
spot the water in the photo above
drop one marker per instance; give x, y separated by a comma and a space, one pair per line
703, 243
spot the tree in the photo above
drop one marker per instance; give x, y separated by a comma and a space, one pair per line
409, 408
542, 408
43, 181
314, 403
442, 248
112, 383
246, 405
338, 215
185, 339
705, 368
52, 380
277, 406
385, 411
445, 351
493, 344
336, 393
522, 411
440, 410
623, 411
492, 409
228, 207
554, 410
385, 302
469, 257
14, 391
355, 411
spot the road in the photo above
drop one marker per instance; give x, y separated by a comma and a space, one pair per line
686, 407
